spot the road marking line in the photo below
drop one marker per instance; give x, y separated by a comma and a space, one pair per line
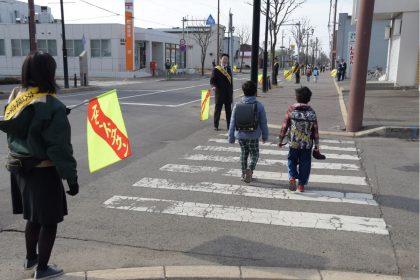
278, 176
270, 152
314, 178
315, 165
250, 191
159, 105
189, 168
331, 141
250, 215
271, 144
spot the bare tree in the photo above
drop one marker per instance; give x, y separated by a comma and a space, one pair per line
244, 35
280, 11
299, 35
203, 35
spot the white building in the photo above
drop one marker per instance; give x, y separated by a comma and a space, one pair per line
104, 43
193, 51
403, 33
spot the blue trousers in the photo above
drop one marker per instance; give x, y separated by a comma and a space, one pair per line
301, 157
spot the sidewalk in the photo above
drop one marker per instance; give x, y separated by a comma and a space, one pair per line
221, 272
387, 112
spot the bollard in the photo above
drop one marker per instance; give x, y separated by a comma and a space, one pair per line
75, 80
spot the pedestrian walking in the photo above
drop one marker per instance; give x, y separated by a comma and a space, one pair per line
275, 71
315, 73
40, 156
248, 124
339, 70
308, 73
300, 125
221, 80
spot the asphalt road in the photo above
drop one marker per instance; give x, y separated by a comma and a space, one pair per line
144, 225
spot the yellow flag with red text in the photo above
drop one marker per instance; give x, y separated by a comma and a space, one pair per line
106, 134
205, 104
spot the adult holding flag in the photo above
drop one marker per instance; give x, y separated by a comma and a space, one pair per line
41, 155
221, 80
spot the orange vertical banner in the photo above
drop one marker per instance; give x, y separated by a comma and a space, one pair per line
129, 35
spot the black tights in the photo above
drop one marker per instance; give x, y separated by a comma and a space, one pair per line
44, 237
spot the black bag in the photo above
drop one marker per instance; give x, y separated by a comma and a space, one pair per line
16, 164
246, 117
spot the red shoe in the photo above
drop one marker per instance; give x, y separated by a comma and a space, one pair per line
301, 188
292, 184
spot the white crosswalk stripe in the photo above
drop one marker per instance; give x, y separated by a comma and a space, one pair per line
331, 141
250, 191
218, 159
278, 176
270, 144
250, 215
269, 152
264, 161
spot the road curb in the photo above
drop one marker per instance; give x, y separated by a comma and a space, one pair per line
210, 272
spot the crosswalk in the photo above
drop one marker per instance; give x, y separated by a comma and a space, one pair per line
213, 168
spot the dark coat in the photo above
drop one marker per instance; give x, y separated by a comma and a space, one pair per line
224, 88
276, 68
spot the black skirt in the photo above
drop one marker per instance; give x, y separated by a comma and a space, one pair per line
39, 195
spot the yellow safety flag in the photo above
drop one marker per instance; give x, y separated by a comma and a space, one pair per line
205, 104
174, 69
235, 68
260, 78
106, 134
288, 74
333, 73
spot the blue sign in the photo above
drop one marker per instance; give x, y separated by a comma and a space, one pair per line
210, 21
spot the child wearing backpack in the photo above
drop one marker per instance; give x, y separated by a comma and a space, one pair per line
247, 124
301, 124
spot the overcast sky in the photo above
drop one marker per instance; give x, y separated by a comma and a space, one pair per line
168, 13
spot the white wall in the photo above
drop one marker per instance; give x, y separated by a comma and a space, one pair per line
409, 47
11, 65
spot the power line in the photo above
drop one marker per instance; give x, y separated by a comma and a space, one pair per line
100, 7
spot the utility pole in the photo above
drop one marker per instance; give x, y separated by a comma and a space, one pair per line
183, 38
334, 44
230, 45
358, 81
316, 50
63, 35
255, 40
265, 84
218, 29
307, 44
32, 26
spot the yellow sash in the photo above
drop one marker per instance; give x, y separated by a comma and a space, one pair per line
224, 72
21, 101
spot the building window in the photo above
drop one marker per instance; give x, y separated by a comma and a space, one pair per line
20, 47
74, 47
48, 46
2, 51
100, 48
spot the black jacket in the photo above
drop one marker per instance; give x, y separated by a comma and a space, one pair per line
224, 88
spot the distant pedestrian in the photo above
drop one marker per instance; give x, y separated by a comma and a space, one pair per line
213, 63
296, 71
40, 156
168, 69
248, 124
275, 71
344, 69
315, 73
221, 80
339, 70
300, 125
308, 73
